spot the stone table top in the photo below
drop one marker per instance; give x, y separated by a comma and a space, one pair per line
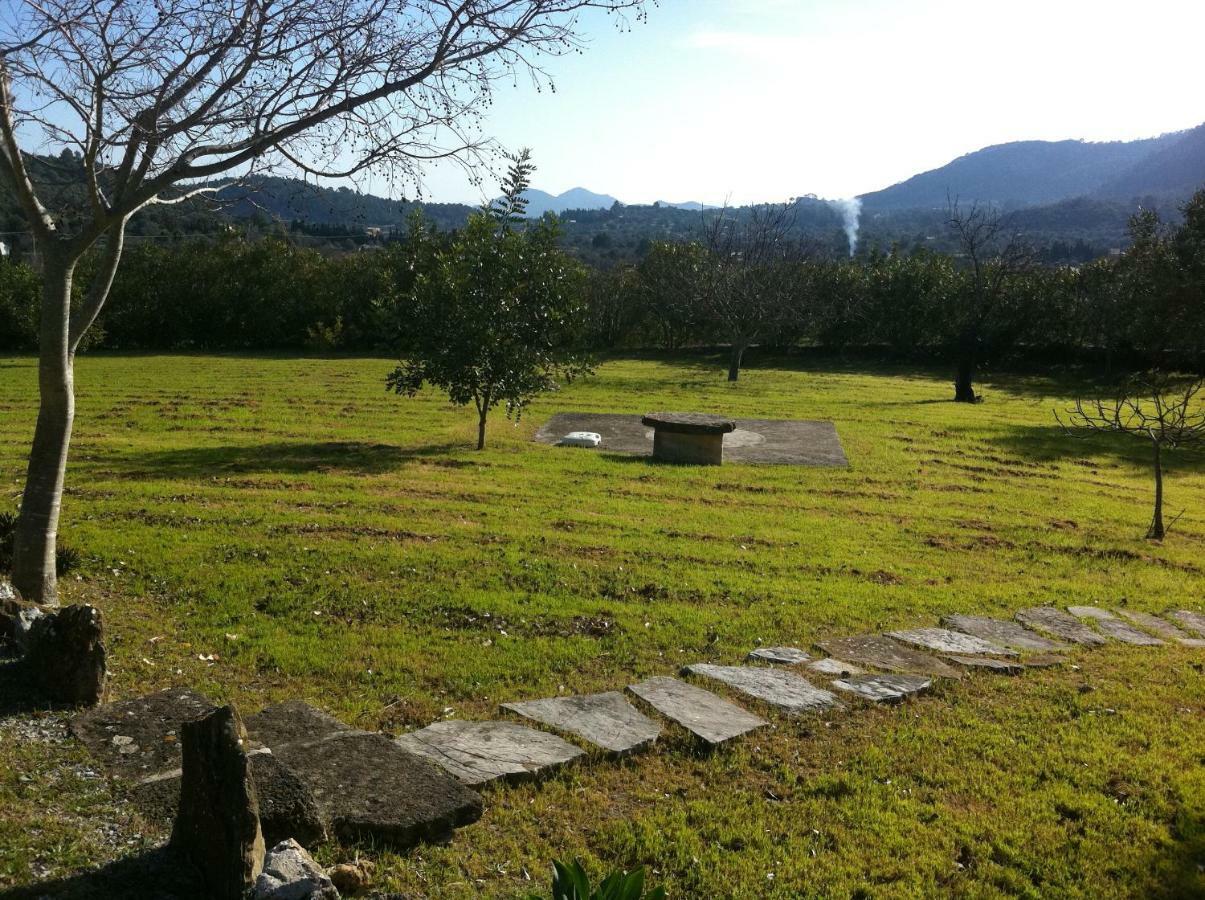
689, 423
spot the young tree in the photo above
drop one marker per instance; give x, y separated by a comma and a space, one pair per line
496, 317
989, 308
1155, 407
158, 98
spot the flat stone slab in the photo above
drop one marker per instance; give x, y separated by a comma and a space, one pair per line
1127, 633
946, 641
1000, 631
1090, 612
787, 656
1193, 621
369, 788
832, 666
1000, 666
139, 738
291, 722
781, 689
763, 441
1162, 627
607, 719
884, 688
881, 652
480, 752
1061, 625
708, 717
688, 423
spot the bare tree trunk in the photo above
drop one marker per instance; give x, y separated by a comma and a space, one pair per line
37, 528
1157, 530
964, 380
483, 411
734, 361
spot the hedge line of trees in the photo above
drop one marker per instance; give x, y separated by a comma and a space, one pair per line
742, 282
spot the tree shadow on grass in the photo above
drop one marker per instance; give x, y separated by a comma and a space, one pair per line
1050, 443
158, 873
349, 457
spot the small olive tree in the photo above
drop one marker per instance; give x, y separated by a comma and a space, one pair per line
1167, 412
497, 317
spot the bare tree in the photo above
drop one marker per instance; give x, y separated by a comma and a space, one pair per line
161, 97
1153, 407
990, 310
750, 266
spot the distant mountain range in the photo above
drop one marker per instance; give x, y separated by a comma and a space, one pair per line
541, 202
1031, 173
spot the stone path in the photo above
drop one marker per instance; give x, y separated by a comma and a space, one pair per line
317, 778
480, 752
606, 720
710, 718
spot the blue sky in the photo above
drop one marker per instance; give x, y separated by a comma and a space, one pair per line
756, 100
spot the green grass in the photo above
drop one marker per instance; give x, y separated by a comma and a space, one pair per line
328, 541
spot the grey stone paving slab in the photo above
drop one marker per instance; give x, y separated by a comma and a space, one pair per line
1162, 627
1193, 621
1000, 631
605, 719
711, 718
1127, 633
767, 441
881, 652
946, 641
371, 789
884, 688
788, 656
781, 689
138, 738
480, 752
832, 666
290, 722
1061, 625
1091, 612
1002, 666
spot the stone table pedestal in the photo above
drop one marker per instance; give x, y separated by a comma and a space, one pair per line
693, 438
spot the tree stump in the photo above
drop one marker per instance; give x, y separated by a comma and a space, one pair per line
217, 825
65, 653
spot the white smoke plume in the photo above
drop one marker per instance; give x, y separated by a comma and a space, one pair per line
851, 213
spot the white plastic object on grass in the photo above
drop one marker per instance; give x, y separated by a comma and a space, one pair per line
581, 439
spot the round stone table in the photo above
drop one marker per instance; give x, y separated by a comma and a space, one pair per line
695, 438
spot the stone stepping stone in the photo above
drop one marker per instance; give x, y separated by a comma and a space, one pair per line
831, 666
884, 688
1000, 631
370, 789
1162, 627
1090, 612
1061, 625
480, 752
1001, 666
783, 690
785, 655
1127, 633
291, 722
946, 641
708, 717
881, 652
607, 719
1193, 621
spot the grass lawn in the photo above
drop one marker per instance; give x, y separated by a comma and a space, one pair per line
324, 540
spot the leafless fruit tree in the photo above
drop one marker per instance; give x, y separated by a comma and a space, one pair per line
752, 261
1168, 412
160, 98
987, 311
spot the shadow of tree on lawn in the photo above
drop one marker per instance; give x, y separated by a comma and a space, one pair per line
1050, 443
348, 457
